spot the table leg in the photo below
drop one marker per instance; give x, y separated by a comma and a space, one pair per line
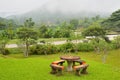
69, 67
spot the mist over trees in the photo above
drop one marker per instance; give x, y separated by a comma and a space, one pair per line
113, 22
30, 31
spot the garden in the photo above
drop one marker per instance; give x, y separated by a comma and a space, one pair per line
31, 59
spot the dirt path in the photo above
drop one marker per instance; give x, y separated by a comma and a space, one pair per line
11, 46
56, 43
111, 37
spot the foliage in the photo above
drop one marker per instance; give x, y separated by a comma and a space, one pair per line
86, 22
3, 41
113, 22
74, 23
116, 42
27, 34
43, 30
85, 47
3, 22
29, 23
43, 49
94, 30
11, 29
67, 47
14, 50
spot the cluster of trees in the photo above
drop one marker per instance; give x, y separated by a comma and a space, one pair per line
28, 33
66, 29
113, 22
55, 31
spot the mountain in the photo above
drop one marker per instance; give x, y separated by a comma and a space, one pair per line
60, 10
45, 16
3, 23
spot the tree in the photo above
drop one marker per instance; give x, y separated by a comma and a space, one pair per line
97, 31
94, 30
11, 27
66, 29
3, 41
3, 23
62, 30
74, 23
26, 34
113, 21
117, 42
43, 30
96, 18
29, 23
85, 22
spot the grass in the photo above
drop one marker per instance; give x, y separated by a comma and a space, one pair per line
13, 41
15, 67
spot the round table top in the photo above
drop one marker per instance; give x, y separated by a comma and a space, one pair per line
70, 58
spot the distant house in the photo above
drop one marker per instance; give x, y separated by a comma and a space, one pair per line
89, 37
110, 36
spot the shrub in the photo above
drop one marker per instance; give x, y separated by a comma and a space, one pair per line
114, 45
43, 49
5, 52
15, 50
85, 47
116, 42
67, 47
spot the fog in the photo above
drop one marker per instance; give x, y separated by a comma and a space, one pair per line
84, 5
9, 7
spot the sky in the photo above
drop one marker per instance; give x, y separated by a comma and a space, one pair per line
8, 7
85, 5
20, 5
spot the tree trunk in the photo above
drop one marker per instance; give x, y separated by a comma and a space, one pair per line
105, 53
3, 48
27, 48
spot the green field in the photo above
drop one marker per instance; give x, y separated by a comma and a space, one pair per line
15, 67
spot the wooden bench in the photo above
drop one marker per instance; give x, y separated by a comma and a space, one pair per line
59, 62
79, 61
57, 67
82, 66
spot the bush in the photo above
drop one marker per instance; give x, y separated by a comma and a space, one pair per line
85, 47
116, 42
67, 47
5, 52
114, 45
43, 49
15, 50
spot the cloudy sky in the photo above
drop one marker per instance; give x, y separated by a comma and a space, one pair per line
22, 6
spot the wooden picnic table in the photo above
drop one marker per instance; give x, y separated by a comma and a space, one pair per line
70, 60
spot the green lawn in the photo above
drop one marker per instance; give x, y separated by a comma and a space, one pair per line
15, 67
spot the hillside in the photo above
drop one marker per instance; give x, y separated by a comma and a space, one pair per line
56, 11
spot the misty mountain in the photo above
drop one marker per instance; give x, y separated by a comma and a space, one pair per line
45, 16
3, 23
57, 11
